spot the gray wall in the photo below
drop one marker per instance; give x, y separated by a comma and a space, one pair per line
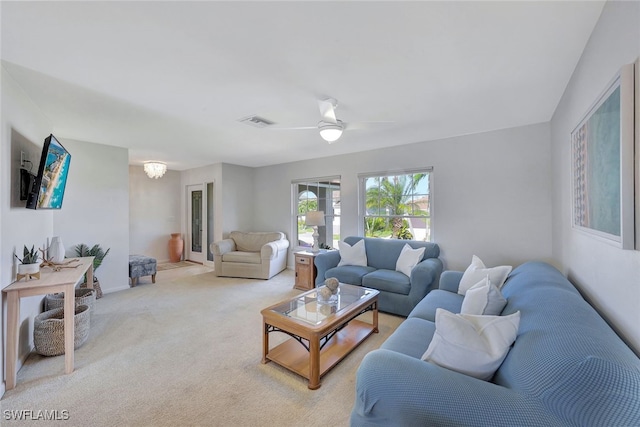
233, 207
95, 208
24, 128
491, 192
155, 210
609, 277
237, 199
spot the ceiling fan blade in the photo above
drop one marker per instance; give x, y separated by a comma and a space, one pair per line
327, 110
367, 125
293, 128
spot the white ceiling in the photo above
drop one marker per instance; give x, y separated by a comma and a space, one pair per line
169, 80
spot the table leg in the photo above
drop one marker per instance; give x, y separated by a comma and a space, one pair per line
375, 317
314, 362
69, 325
265, 343
89, 275
13, 319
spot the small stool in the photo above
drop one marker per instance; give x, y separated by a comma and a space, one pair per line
140, 265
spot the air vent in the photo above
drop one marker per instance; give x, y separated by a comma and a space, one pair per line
256, 121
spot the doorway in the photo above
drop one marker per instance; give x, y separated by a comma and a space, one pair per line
195, 213
199, 223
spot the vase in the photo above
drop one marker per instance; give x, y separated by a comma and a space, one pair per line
29, 271
176, 245
56, 250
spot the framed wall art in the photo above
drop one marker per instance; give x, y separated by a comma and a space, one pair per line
602, 153
637, 151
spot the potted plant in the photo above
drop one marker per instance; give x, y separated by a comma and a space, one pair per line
29, 266
98, 253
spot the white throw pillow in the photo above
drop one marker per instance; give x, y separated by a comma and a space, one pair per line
352, 255
472, 345
408, 259
477, 271
483, 298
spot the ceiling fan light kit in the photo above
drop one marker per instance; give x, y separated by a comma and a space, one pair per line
330, 132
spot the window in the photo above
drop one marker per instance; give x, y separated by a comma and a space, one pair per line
318, 194
396, 205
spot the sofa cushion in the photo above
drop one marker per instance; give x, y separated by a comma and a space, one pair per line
554, 316
351, 274
352, 255
412, 337
477, 271
383, 253
246, 257
472, 345
590, 387
483, 298
408, 259
426, 309
387, 280
253, 241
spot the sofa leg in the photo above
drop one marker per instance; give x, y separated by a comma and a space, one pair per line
153, 278
133, 282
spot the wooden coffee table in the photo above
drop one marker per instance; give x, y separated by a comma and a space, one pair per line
322, 334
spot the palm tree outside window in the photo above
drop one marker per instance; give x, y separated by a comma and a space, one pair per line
397, 205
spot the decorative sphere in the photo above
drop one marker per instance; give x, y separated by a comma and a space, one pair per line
326, 309
325, 293
332, 283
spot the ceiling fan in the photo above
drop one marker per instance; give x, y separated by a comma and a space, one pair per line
329, 126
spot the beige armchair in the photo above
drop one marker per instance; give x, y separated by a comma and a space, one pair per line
254, 255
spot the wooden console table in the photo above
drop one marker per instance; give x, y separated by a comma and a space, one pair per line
49, 282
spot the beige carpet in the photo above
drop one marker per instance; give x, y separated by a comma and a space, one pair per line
162, 266
186, 351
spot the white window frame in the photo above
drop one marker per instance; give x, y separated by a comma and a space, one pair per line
362, 208
330, 215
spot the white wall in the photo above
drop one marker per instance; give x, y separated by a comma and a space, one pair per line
491, 192
609, 277
24, 128
237, 199
96, 208
154, 212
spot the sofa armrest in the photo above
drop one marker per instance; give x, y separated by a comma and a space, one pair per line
273, 249
450, 280
324, 261
395, 389
424, 278
221, 247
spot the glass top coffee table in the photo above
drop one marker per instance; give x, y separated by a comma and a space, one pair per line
322, 333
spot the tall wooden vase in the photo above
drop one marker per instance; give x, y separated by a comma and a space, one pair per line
176, 245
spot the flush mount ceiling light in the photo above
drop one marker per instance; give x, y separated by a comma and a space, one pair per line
330, 132
155, 169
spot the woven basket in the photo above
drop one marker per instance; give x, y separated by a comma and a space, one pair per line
96, 287
48, 330
83, 297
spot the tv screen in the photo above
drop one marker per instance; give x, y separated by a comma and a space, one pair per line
48, 187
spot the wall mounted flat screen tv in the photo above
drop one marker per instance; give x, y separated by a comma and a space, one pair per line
48, 188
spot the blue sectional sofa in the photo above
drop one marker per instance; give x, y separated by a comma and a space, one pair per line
399, 293
567, 367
